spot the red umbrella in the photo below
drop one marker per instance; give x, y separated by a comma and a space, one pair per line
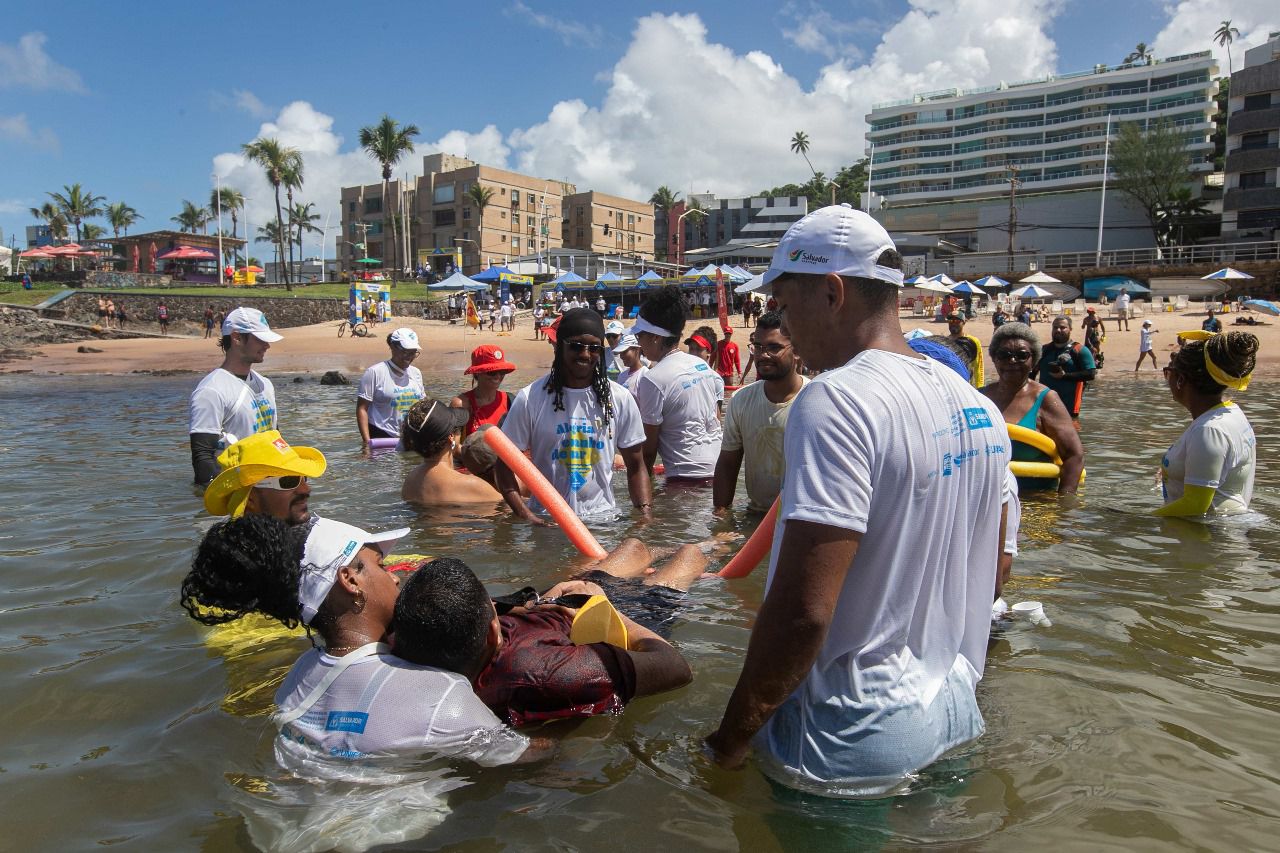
151, 257
39, 252
187, 253
65, 249
134, 252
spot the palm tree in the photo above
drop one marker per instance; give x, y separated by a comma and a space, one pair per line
275, 159
121, 216
292, 179
302, 217
77, 204
271, 233
664, 198
800, 145
52, 217
387, 142
193, 216
479, 195
1141, 53
1224, 36
230, 200
92, 231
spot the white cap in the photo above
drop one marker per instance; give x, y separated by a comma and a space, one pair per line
1146, 322
834, 239
626, 342
330, 546
614, 327
407, 338
251, 321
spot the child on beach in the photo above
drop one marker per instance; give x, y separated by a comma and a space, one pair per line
1144, 346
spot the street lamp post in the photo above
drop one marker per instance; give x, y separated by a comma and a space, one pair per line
680, 234
218, 196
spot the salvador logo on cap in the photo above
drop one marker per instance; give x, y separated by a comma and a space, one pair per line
804, 257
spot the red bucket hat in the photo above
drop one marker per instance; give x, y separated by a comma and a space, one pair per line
488, 358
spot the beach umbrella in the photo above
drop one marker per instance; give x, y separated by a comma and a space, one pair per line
1040, 278
38, 253
991, 281
916, 280
186, 253
368, 261
253, 269
1266, 306
151, 257
1225, 272
934, 286
133, 257
942, 278
966, 287
1031, 291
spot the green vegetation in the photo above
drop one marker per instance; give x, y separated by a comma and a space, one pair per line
1154, 169
387, 142
278, 162
849, 183
12, 292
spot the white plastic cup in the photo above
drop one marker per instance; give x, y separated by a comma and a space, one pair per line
1032, 611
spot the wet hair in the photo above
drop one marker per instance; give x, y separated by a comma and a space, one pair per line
555, 383
1018, 332
1235, 354
666, 310
769, 320
250, 564
963, 347
434, 427
442, 616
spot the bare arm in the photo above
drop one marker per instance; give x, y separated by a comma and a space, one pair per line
789, 632
639, 485
362, 419
1055, 422
506, 482
651, 432
725, 483
659, 667
1004, 561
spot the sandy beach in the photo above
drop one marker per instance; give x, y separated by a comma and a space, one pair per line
316, 348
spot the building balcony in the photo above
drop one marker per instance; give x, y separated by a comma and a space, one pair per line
1253, 159
1250, 121
1251, 198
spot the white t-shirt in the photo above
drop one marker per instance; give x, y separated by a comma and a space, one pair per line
905, 452
382, 705
1013, 517
1144, 340
755, 426
573, 448
679, 394
1122, 302
234, 408
391, 392
1217, 451
507, 309
629, 379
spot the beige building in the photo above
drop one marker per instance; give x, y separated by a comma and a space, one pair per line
522, 216
608, 225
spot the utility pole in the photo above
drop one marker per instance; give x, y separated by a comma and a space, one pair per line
1014, 183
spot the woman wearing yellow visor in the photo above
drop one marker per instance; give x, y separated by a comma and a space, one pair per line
1209, 469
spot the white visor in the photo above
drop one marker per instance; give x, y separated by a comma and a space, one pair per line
330, 546
643, 325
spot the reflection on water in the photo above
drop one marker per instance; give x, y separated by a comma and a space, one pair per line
1144, 716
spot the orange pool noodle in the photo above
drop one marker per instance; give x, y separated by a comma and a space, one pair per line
756, 549
546, 493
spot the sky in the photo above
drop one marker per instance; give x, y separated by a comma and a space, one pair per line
146, 106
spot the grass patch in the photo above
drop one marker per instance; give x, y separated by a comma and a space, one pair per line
12, 292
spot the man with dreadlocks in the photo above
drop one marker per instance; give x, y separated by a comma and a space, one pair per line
573, 421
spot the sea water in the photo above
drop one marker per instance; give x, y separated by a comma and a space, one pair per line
1144, 717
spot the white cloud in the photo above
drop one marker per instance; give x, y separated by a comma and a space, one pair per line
18, 129
815, 30
24, 64
1192, 24
14, 205
250, 103
572, 33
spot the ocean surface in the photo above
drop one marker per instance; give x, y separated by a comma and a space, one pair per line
1144, 718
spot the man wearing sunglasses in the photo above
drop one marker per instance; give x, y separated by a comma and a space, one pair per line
755, 420
263, 474
573, 421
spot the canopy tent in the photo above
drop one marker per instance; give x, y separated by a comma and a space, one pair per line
492, 274
990, 282
1039, 278
39, 253
368, 261
934, 286
1225, 273
754, 283
650, 275
186, 253
1095, 287
1031, 291
608, 276
458, 281
691, 272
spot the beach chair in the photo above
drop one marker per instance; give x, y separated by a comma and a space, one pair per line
1182, 303
1137, 308
917, 308
634, 313
1056, 308
1080, 307
1157, 304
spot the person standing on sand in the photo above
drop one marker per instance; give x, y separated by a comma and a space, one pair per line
162, 317
234, 401
1122, 309
1145, 346
208, 322
1094, 331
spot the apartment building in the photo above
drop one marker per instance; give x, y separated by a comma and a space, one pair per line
1251, 205
946, 162
608, 225
726, 221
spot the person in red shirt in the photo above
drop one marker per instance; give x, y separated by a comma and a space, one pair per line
485, 401
523, 664
726, 362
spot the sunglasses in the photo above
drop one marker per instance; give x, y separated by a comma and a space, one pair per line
1013, 355
579, 346
281, 484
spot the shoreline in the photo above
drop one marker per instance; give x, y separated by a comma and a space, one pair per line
316, 349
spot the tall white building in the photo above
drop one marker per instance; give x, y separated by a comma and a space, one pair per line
943, 161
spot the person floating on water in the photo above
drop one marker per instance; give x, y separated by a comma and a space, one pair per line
1209, 470
573, 421
1065, 366
864, 660
756, 419
265, 475
389, 388
234, 401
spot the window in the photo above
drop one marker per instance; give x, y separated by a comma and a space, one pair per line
1253, 180
351, 207
631, 219
466, 214
466, 235
1253, 141
443, 218
373, 205
1257, 102
515, 242
515, 219
531, 197
577, 234
443, 194
503, 191
503, 214
533, 244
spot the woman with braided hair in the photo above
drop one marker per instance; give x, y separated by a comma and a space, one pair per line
573, 421
1209, 469
351, 698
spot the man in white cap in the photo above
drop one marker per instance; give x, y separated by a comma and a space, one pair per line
867, 650
613, 331
389, 388
234, 401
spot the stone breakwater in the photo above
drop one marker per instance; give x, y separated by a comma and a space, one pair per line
22, 332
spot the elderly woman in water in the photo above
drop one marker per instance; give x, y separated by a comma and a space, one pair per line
1209, 469
1015, 350
352, 697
